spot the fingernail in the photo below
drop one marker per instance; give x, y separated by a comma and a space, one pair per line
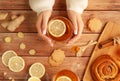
68, 45
51, 44
44, 32
75, 32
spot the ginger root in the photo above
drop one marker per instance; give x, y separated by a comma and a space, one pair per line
14, 24
13, 17
3, 16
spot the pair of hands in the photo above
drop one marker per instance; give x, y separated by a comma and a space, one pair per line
75, 18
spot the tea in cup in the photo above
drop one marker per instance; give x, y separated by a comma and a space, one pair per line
60, 29
65, 75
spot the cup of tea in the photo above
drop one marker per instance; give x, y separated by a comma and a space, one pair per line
65, 75
60, 28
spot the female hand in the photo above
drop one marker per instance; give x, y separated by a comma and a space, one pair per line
41, 25
78, 25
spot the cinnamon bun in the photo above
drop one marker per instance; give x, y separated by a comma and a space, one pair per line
104, 68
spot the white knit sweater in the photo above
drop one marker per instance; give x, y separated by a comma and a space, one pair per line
42, 5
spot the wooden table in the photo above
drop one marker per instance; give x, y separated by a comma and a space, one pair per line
104, 9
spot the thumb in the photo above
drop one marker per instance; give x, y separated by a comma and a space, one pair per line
44, 25
46, 17
75, 27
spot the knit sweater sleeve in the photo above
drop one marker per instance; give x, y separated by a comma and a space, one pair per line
77, 5
41, 5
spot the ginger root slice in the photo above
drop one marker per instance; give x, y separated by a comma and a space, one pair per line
7, 39
32, 51
20, 35
3, 16
13, 25
14, 17
22, 46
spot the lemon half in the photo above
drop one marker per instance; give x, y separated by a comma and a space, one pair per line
37, 70
7, 55
16, 64
56, 28
63, 78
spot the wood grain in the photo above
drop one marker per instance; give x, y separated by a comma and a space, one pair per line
105, 10
32, 41
29, 24
61, 5
77, 65
111, 30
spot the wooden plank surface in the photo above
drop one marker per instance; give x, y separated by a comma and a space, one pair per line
61, 5
32, 41
111, 30
77, 65
103, 9
29, 24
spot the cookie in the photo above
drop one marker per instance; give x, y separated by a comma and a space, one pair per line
53, 63
95, 24
58, 55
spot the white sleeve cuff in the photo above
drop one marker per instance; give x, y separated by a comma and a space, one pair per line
41, 5
77, 5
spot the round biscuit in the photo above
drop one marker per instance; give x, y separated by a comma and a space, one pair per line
95, 24
53, 63
58, 55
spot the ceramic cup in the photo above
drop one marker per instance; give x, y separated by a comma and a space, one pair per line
66, 73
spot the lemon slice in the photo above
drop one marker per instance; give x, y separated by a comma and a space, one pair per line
16, 64
34, 79
7, 55
56, 28
63, 78
37, 70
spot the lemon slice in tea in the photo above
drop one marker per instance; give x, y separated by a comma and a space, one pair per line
63, 78
7, 55
37, 70
34, 79
16, 64
56, 28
